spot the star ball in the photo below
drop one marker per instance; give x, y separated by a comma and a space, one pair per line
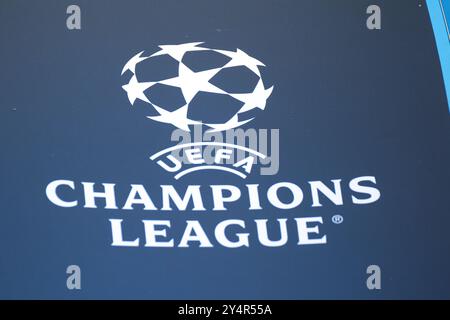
197, 85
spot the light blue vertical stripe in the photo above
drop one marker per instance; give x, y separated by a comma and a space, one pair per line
435, 9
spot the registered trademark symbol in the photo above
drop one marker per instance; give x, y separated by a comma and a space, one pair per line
337, 219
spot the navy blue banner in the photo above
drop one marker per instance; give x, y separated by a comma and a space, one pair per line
224, 150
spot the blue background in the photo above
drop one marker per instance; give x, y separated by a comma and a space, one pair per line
348, 102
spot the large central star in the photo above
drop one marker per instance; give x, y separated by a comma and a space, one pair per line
191, 82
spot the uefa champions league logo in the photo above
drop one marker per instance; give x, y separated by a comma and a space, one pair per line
195, 151
191, 83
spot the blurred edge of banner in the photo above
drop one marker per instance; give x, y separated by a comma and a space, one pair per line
439, 11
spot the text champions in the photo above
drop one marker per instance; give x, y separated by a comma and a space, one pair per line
258, 209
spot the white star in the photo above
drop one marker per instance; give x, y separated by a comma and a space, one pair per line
178, 118
131, 64
230, 124
191, 82
240, 58
177, 51
255, 99
135, 90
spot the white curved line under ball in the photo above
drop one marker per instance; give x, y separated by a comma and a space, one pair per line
194, 144
185, 172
